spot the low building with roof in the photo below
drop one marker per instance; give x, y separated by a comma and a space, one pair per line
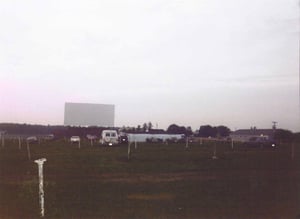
252, 134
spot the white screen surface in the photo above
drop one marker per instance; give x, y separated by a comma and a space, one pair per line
88, 114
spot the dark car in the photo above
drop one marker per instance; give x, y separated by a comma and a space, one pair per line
123, 139
261, 143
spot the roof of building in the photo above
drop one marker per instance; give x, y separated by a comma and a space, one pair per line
253, 132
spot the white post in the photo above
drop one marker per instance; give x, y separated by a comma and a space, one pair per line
79, 144
3, 143
28, 151
19, 143
187, 143
293, 151
201, 141
91, 142
135, 145
214, 157
40, 163
129, 151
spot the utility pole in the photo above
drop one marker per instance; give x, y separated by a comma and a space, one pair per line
274, 125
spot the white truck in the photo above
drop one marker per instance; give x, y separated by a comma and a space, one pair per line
109, 137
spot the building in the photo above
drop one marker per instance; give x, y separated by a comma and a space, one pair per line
245, 135
89, 114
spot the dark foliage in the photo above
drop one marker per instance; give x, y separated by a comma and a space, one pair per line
175, 129
57, 131
282, 135
209, 131
223, 131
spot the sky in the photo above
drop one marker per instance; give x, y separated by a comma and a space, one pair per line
192, 62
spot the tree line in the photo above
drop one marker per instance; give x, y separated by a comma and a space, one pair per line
67, 131
204, 131
58, 131
22, 129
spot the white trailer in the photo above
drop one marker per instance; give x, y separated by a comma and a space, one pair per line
109, 137
137, 137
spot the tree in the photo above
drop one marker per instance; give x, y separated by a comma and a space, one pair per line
175, 129
207, 131
283, 135
297, 137
189, 131
172, 129
145, 127
223, 131
150, 126
210, 131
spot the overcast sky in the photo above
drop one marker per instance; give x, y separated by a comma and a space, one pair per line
192, 63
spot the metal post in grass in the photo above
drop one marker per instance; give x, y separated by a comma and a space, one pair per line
79, 144
201, 142
129, 150
292, 151
19, 143
214, 157
91, 142
135, 145
40, 163
3, 141
28, 150
187, 143
232, 144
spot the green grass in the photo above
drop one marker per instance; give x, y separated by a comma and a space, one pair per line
159, 181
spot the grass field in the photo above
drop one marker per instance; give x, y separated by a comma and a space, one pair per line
159, 181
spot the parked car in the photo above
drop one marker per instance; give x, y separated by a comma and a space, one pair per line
123, 139
49, 137
74, 139
261, 143
32, 139
91, 137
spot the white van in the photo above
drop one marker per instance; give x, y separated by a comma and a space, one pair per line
109, 137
